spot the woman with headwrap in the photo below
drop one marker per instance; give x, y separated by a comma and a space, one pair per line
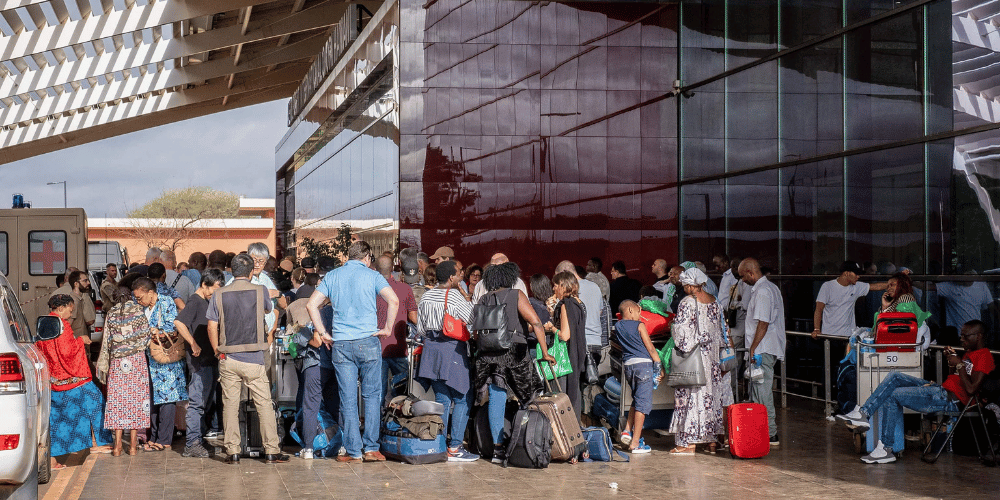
510, 371
123, 365
76, 420
698, 325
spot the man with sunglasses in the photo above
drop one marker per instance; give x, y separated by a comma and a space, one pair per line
900, 391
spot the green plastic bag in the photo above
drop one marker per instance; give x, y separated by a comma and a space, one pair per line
665, 355
654, 306
561, 353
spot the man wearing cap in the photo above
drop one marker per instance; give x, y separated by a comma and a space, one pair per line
442, 254
834, 313
409, 273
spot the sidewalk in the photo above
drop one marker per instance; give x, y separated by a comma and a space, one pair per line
816, 460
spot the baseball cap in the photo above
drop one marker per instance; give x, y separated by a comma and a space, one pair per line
409, 271
850, 265
443, 252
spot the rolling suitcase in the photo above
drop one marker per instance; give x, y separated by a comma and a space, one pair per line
251, 441
479, 436
746, 426
567, 433
895, 328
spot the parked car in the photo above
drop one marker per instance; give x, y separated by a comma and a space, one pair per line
97, 331
25, 399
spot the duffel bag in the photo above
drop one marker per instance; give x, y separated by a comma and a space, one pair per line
399, 444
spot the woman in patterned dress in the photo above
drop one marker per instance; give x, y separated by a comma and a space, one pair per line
76, 419
123, 363
168, 382
698, 324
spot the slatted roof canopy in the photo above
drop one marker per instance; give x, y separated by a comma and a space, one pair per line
77, 71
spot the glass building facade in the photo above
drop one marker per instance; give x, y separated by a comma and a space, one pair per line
799, 132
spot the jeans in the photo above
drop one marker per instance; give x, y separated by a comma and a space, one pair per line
354, 360
761, 391
497, 408
391, 368
312, 396
898, 391
201, 396
453, 400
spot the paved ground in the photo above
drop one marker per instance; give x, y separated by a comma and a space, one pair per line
816, 460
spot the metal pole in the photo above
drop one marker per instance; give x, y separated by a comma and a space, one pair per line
65, 205
784, 386
826, 377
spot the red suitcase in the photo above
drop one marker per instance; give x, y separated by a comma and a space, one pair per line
746, 425
895, 328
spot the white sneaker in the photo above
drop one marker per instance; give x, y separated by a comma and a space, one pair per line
855, 418
306, 454
880, 455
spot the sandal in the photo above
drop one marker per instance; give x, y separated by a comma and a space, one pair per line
151, 446
712, 448
103, 450
679, 450
58, 466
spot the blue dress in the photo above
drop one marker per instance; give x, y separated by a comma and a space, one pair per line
167, 380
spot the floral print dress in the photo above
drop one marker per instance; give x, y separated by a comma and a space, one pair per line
169, 384
698, 410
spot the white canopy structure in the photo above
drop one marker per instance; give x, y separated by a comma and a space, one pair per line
76, 71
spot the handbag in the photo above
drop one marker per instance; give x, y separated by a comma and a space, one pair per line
489, 321
560, 351
166, 348
451, 326
733, 308
727, 355
591, 367
687, 369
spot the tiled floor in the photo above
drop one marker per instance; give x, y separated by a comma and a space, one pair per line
816, 460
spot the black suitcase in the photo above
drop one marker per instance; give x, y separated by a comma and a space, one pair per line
251, 441
478, 434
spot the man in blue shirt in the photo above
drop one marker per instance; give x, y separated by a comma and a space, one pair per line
356, 351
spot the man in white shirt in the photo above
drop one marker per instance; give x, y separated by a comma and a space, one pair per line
734, 294
834, 313
765, 336
480, 290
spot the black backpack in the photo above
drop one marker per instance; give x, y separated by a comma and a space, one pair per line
489, 322
530, 443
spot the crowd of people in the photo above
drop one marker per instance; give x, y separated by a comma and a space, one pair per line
200, 332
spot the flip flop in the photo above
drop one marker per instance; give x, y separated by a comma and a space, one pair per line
58, 466
102, 450
154, 447
681, 451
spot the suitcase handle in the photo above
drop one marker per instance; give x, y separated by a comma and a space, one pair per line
548, 386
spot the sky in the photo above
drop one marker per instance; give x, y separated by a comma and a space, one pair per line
230, 151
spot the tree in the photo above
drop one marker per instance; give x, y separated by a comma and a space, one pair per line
190, 203
335, 248
173, 217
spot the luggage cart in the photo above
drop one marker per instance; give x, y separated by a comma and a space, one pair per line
875, 363
663, 395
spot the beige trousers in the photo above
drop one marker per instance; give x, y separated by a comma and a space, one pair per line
232, 376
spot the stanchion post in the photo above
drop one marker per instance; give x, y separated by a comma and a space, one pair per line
827, 398
784, 385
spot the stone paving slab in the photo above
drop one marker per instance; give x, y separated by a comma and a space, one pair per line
816, 460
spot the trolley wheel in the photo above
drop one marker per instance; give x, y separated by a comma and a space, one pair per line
859, 442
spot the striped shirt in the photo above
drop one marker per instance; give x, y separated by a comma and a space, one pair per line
430, 310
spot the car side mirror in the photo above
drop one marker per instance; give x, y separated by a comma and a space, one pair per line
48, 327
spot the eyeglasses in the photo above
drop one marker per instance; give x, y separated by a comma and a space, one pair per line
477, 275
259, 261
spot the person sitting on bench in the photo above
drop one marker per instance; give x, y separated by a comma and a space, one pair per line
900, 391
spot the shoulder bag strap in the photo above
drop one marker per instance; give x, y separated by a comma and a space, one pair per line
178, 278
446, 291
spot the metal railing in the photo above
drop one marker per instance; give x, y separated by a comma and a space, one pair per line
829, 398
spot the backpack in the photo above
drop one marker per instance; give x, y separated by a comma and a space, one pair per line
489, 322
530, 444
